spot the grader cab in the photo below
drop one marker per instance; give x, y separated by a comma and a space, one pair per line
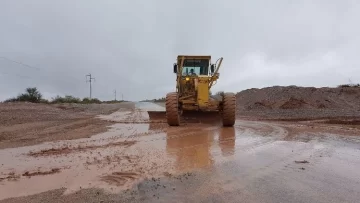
192, 100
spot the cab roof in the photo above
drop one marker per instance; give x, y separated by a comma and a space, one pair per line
194, 57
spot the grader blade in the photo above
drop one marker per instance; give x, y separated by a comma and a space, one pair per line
207, 117
157, 116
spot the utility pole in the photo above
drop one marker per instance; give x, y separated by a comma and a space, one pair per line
115, 94
122, 97
90, 80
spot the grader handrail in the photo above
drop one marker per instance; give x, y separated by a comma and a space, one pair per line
216, 71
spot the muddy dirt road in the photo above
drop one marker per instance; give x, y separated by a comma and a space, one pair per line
135, 161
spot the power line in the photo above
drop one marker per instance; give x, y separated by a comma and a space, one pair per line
29, 66
18, 75
23, 64
90, 80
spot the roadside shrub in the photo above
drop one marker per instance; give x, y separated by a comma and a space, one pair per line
11, 100
112, 101
72, 99
66, 99
31, 95
87, 100
220, 93
44, 101
162, 99
95, 100
349, 85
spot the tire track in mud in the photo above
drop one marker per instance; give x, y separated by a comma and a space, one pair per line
119, 178
79, 148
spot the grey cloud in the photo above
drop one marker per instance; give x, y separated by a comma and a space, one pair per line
131, 45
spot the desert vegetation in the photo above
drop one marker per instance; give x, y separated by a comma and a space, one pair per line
33, 95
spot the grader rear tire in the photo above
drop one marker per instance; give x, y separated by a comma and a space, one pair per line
172, 109
229, 108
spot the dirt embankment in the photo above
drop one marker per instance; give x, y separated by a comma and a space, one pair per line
24, 124
299, 103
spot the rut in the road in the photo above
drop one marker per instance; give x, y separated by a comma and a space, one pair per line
67, 149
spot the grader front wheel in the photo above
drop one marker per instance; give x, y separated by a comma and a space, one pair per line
229, 108
172, 109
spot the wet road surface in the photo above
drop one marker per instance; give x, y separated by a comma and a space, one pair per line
140, 162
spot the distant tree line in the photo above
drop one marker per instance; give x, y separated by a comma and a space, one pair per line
349, 85
162, 99
33, 95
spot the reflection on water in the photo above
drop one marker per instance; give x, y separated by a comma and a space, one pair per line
191, 147
227, 141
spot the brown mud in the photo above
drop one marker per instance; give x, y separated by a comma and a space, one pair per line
37, 173
254, 161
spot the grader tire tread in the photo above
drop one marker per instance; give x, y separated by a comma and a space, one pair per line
229, 108
172, 109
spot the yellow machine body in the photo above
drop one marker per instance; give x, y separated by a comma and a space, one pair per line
194, 90
192, 100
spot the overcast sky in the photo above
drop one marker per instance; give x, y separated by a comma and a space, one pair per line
131, 45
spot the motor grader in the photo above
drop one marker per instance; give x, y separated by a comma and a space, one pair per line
192, 100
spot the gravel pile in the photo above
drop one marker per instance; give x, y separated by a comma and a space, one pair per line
294, 102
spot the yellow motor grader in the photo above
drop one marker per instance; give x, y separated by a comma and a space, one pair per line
192, 100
